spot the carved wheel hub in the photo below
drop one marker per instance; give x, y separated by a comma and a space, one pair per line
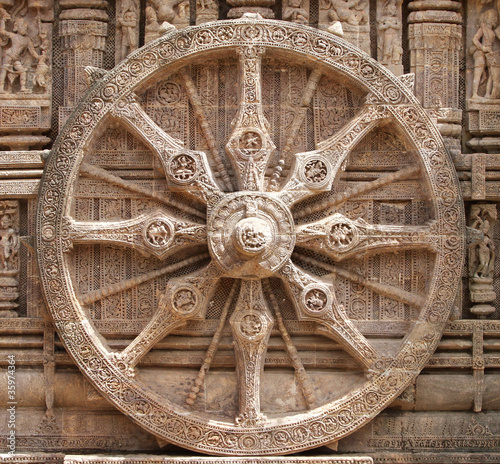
262, 235
251, 235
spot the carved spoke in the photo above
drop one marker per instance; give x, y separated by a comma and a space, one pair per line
389, 291
127, 284
341, 237
184, 298
194, 98
95, 172
250, 144
305, 382
315, 301
298, 119
337, 199
186, 170
155, 233
251, 324
214, 344
315, 171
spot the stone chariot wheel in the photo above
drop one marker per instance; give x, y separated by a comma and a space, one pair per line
286, 212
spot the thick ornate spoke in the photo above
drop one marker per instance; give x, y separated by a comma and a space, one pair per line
315, 301
395, 293
315, 171
155, 233
95, 172
250, 144
341, 237
184, 298
251, 324
186, 170
337, 199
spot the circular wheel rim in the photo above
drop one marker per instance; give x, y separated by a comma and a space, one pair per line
324, 424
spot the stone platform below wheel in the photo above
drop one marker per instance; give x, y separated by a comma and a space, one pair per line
40, 458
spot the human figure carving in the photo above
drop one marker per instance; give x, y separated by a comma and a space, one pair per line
166, 9
9, 242
352, 12
128, 25
389, 28
41, 72
482, 250
295, 13
12, 58
158, 234
486, 59
152, 29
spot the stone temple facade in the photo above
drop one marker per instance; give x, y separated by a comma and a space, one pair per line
237, 231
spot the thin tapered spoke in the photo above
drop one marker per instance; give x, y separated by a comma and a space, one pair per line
341, 238
298, 119
95, 172
395, 293
337, 199
251, 324
127, 284
185, 298
186, 170
315, 171
315, 301
155, 233
214, 344
196, 103
305, 382
250, 145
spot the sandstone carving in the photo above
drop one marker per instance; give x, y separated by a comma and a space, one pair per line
237, 227
482, 258
250, 227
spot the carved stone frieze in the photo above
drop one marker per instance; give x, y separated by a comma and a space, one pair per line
9, 257
25, 75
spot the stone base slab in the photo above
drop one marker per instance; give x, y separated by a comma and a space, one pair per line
40, 458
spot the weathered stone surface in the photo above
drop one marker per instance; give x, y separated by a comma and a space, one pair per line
248, 235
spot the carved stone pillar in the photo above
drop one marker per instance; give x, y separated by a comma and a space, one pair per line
83, 31
25, 73
435, 40
9, 257
482, 258
483, 76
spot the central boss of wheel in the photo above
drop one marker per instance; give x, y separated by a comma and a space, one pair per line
251, 235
